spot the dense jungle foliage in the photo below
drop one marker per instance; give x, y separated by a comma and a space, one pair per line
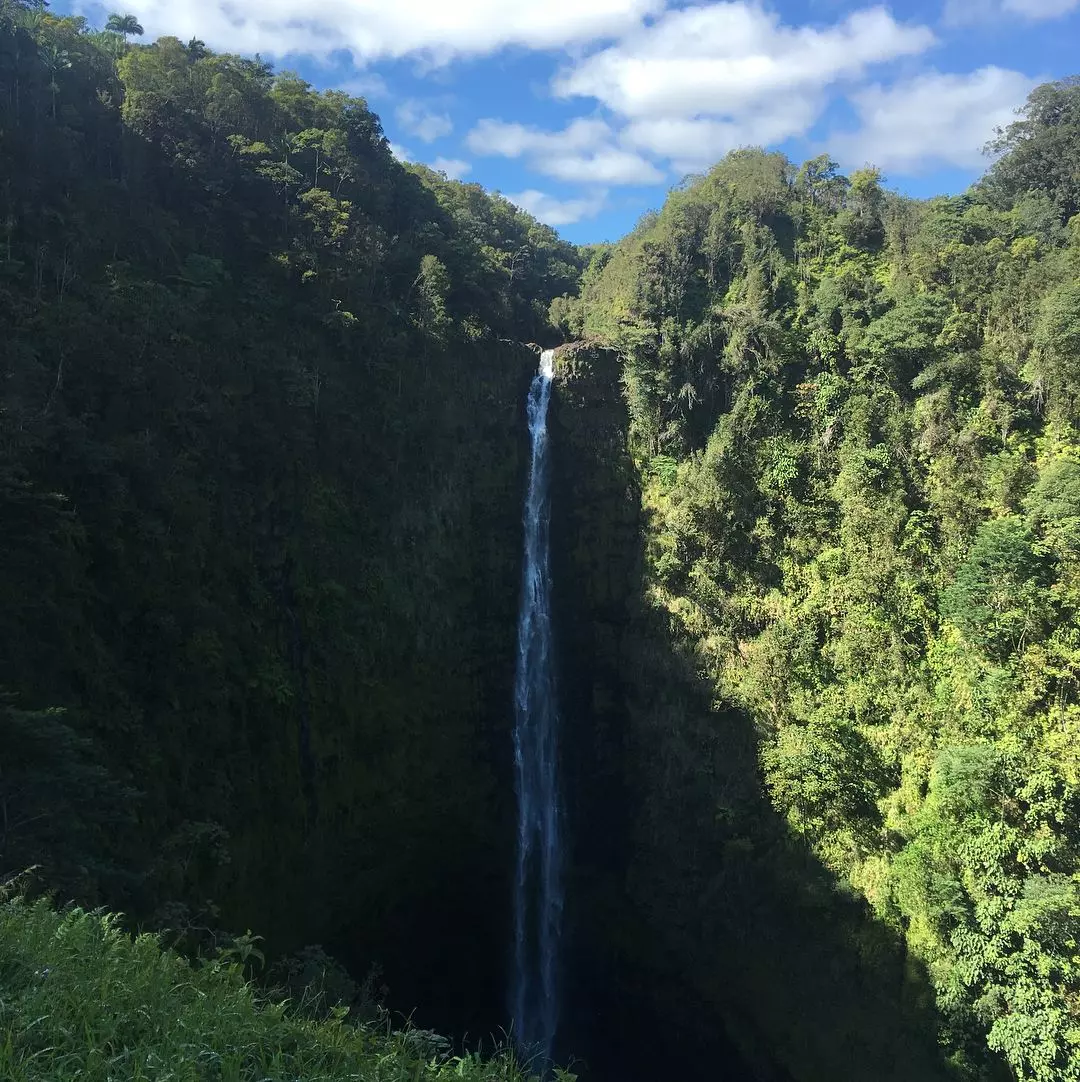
855, 420
260, 474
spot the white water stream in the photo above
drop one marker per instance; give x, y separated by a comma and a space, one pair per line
538, 890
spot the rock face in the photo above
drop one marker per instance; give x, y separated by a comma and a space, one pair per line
410, 852
596, 545
302, 659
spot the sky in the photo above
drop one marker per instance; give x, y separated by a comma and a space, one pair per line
586, 112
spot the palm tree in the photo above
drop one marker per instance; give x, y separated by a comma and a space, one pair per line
124, 25
56, 61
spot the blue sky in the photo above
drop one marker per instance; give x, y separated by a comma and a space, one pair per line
585, 112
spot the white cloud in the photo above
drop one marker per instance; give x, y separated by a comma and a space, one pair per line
559, 211
376, 29
701, 80
403, 154
583, 152
419, 120
728, 59
695, 143
454, 168
514, 140
605, 165
697, 82
367, 84
1040, 9
931, 120
966, 12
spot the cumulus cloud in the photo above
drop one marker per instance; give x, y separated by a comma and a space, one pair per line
605, 165
932, 120
454, 168
423, 122
730, 58
403, 154
698, 81
697, 142
583, 152
559, 211
514, 140
1040, 9
375, 29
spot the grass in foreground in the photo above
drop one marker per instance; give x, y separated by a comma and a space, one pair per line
82, 999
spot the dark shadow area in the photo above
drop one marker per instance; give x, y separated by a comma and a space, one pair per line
703, 941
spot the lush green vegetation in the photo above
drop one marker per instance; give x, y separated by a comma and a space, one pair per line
260, 469
83, 1000
856, 425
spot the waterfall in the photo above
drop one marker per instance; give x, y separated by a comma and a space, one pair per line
538, 892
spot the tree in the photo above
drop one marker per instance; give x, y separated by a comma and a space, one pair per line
862, 221
819, 181
999, 599
1056, 358
56, 60
1041, 150
433, 287
58, 804
124, 25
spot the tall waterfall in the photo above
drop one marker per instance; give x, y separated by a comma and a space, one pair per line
538, 891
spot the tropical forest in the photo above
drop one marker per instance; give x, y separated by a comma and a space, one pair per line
433, 649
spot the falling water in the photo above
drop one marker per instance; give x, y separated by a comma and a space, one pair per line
538, 896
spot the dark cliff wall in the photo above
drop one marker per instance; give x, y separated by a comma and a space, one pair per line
410, 848
596, 545
625, 1017
261, 461
290, 635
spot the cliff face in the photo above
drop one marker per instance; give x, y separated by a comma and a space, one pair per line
692, 916
619, 970
596, 544
406, 842
261, 461
296, 650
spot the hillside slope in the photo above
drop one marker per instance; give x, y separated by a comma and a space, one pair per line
855, 424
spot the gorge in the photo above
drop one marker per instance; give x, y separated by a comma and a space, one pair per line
747, 750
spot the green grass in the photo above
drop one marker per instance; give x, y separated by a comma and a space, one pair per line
82, 999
